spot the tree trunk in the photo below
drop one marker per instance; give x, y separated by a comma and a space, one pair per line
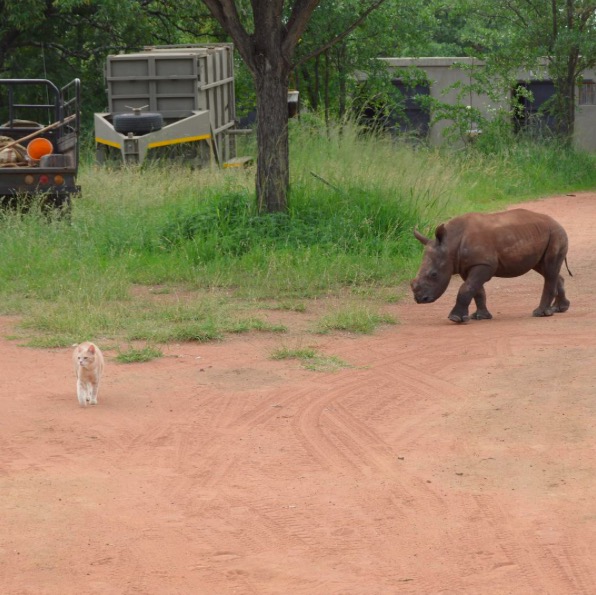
317, 87
273, 174
566, 103
326, 89
568, 95
268, 53
7, 44
343, 93
311, 83
317, 91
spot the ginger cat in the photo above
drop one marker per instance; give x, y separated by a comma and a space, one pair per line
88, 363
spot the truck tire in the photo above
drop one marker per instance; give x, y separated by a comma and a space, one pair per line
137, 123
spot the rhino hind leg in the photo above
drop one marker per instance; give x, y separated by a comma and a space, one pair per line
553, 294
561, 302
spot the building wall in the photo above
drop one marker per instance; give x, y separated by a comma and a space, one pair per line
444, 72
585, 127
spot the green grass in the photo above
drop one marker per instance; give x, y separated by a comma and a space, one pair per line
360, 320
168, 254
524, 171
310, 359
135, 356
285, 305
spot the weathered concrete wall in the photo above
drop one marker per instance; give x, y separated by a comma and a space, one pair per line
585, 127
445, 72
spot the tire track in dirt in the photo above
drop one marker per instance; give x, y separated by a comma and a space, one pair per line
313, 433
327, 443
208, 462
195, 485
456, 459
335, 438
544, 572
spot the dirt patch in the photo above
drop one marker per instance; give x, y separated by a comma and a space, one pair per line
448, 459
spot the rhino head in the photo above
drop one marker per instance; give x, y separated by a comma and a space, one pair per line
436, 269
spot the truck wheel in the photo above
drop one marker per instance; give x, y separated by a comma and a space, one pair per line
137, 123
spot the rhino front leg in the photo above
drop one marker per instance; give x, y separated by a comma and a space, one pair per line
472, 288
482, 312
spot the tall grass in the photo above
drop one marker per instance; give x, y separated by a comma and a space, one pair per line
524, 170
194, 238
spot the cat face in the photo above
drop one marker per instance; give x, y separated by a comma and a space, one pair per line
86, 359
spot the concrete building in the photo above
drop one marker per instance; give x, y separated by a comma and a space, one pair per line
443, 73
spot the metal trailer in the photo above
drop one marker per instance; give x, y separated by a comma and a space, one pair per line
188, 91
32, 110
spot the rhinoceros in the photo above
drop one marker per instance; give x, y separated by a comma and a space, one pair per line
479, 246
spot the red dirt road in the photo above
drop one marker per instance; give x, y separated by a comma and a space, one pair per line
450, 459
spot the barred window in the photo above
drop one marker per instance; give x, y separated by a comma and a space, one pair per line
587, 93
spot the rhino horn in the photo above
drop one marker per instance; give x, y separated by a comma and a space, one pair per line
422, 239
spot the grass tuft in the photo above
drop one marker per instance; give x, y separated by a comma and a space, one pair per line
311, 359
139, 355
355, 319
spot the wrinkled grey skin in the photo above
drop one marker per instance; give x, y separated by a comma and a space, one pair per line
479, 246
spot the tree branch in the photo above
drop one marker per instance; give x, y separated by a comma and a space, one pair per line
301, 13
226, 14
341, 36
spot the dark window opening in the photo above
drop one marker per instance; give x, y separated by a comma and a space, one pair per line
410, 115
532, 113
587, 93
403, 112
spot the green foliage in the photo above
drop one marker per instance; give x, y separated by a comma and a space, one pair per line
326, 79
556, 37
230, 226
522, 170
64, 39
164, 254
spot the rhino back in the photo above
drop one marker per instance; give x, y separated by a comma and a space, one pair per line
510, 242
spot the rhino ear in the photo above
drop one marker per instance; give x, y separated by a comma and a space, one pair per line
422, 239
440, 233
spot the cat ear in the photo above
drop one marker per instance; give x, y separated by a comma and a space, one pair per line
91, 348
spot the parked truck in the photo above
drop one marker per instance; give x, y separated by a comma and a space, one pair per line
39, 141
169, 102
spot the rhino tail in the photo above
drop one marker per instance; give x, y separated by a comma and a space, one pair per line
570, 273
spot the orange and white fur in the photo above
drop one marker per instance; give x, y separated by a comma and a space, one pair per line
88, 363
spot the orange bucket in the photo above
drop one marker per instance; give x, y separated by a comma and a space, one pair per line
39, 147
